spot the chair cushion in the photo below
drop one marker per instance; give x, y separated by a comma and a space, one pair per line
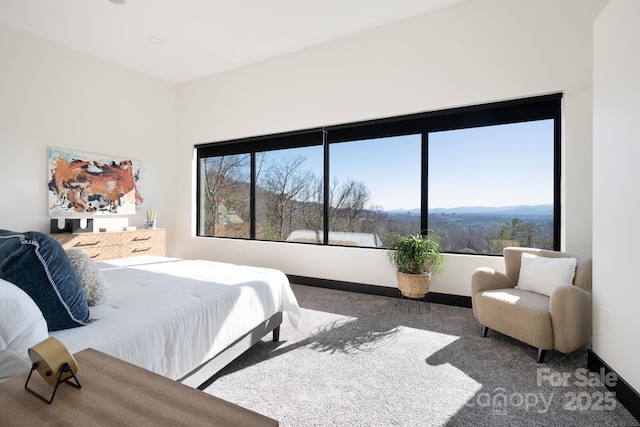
542, 274
519, 314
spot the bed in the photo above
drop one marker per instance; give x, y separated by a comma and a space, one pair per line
183, 319
173, 316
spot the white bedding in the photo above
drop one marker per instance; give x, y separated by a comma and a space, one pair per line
170, 315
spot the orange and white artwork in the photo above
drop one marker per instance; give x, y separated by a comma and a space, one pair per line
90, 184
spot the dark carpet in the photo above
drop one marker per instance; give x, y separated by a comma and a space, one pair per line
362, 360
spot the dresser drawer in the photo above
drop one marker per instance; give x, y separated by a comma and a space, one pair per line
142, 242
88, 241
142, 236
102, 253
141, 248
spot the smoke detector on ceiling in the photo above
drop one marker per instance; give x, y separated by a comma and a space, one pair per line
155, 39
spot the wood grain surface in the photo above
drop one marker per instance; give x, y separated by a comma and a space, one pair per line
117, 393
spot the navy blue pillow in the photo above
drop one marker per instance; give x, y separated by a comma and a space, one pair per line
38, 264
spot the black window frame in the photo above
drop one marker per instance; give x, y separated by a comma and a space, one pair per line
496, 113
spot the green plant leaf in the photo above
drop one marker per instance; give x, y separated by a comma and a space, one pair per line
416, 253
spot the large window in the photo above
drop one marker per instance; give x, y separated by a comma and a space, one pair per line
491, 187
224, 196
372, 182
482, 177
289, 195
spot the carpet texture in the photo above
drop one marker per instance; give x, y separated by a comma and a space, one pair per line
362, 360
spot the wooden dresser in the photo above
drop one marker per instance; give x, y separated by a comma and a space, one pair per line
116, 244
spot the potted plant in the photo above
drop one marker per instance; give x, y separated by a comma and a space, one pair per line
415, 257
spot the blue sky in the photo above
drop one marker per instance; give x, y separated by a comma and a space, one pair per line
381, 164
500, 165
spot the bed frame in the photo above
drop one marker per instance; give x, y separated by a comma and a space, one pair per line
202, 376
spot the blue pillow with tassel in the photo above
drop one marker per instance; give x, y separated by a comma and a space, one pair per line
38, 264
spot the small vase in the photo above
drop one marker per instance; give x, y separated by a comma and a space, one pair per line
150, 223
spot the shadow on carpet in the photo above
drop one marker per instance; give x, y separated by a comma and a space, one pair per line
358, 360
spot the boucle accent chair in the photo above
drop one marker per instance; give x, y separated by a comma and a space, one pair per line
560, 321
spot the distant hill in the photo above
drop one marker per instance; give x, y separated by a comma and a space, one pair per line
522, 210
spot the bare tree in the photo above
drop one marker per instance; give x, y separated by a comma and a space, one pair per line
225, 187
283, 184
348, 201
312, 206
288, 197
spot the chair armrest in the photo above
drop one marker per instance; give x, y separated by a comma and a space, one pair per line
485, 279
570, 309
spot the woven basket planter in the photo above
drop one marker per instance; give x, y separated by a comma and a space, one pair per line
413, 285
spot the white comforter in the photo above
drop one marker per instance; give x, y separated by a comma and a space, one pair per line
170, 315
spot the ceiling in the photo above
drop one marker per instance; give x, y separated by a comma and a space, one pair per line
182, 40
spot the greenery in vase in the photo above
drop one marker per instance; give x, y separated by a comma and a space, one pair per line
416, 253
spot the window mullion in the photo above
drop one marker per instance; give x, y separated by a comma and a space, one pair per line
424, 183
326, 188
252, 198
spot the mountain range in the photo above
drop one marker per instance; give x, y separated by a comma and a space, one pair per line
520, 210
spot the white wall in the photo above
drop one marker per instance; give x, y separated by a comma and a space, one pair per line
615, 195
51, 95
472, 53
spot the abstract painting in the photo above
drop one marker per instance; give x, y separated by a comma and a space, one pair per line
91, 184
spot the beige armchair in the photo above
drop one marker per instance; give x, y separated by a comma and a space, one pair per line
561, 321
